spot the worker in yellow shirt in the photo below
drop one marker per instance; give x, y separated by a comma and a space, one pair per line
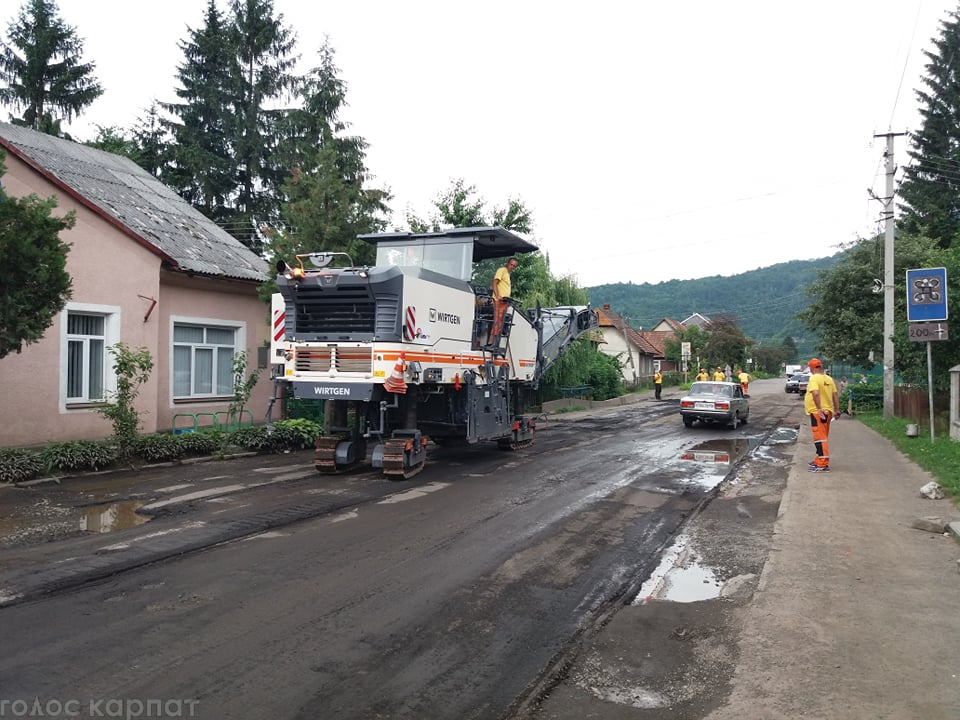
719, 375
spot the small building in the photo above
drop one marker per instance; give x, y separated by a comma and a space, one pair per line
637, 356
148, 270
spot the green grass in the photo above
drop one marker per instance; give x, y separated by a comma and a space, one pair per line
572, 408
941, 458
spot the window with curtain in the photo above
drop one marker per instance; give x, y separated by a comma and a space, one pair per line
86, 356
203, 361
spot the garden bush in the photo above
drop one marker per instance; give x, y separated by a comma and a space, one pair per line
256, 438
205, 442
77, 455
159, 448
296, 434
19, 465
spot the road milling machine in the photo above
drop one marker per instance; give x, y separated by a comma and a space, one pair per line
409, 349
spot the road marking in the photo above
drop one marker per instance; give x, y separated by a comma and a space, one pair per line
150, 536
414, 494
198, 495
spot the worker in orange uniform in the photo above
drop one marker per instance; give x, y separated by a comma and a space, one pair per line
744, 379
821, 404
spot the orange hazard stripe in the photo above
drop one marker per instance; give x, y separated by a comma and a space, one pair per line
447, 358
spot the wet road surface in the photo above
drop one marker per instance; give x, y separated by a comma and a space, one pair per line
445, 596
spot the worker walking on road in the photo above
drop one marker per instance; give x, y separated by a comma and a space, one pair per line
657, 384
744, 379
820, 403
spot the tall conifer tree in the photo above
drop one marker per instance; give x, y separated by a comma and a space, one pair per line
201, 166
328, 203
262, 78
42, 70
931, 186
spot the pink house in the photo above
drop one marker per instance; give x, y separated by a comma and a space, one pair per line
148, 270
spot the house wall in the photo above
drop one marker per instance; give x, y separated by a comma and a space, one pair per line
233, 303
109, 271
616, 345
114, 273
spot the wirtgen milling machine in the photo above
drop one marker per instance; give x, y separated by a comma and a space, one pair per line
408, 350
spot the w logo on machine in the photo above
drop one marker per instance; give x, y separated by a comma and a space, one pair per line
410, 323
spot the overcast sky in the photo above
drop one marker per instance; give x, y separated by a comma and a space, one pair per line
651, 141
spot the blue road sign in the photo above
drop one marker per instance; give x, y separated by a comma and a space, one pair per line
926, 294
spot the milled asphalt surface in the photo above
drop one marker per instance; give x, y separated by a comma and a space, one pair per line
856, 614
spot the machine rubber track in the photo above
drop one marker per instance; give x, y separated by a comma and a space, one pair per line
394, 457
325, 455
511, 444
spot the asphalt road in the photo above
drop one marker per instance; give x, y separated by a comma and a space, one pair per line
443, 597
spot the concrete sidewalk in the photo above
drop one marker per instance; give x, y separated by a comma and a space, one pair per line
857, 615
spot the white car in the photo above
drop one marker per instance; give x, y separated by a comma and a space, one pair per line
710, 402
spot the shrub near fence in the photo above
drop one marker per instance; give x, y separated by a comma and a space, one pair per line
910, 402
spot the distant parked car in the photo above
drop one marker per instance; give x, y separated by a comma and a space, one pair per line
802, 382
711, 402
793, 383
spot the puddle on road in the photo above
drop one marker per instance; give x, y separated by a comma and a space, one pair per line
719, 451
783, 435
680, 577
115, 516
690, 583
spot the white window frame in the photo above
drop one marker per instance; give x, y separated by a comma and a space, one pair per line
239, 345
111, 332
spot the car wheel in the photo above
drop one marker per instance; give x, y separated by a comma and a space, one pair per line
688, 422
735, 423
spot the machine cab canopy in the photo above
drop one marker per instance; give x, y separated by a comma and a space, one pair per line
450, 252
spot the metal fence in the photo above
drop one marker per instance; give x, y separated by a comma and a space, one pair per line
910, 402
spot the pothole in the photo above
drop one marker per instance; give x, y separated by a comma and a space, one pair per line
112, 517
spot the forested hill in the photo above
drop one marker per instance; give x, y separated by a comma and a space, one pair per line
764, 302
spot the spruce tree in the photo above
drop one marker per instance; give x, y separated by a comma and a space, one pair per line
201, 167
328, 203
930, 190
42, 70
262, 78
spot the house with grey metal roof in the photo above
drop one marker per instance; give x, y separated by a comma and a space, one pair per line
148, 270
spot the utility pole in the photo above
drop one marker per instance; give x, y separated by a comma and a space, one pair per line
888, 258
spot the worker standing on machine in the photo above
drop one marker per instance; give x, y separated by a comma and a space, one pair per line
501, 295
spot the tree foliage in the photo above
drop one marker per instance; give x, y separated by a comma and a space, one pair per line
726, 344
764, 301
201, 167
329, 202
849, 318
42, 69
532, 282
583, 365
930, 189
33, 274
673, 347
